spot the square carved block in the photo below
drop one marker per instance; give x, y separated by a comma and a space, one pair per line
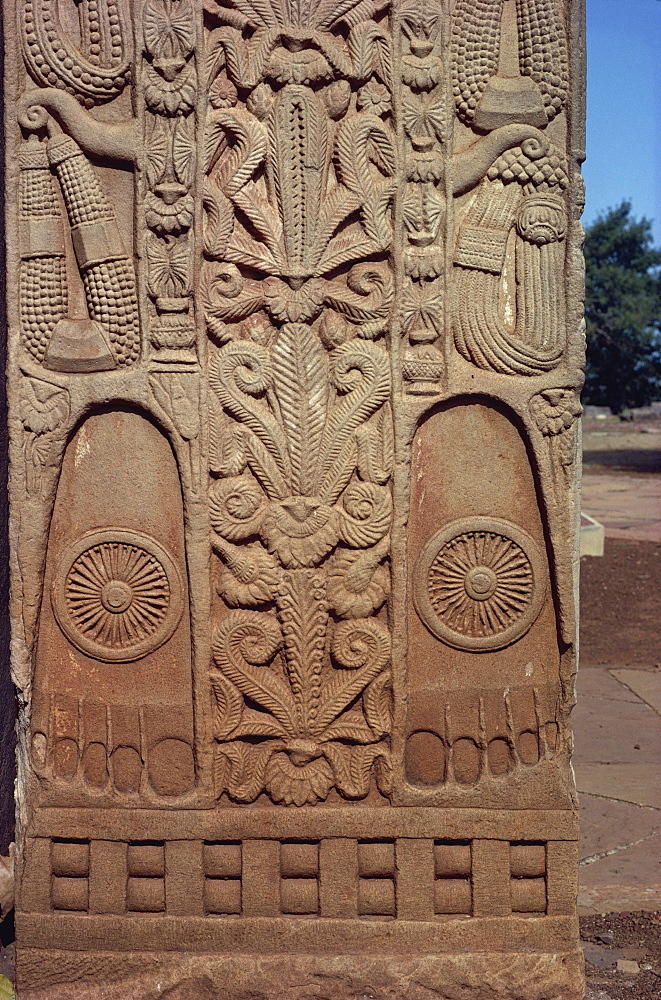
299, 859
452, 860
376, 859
70, 857
145, 895
222, 860
452, 895
528, 860
376, 897
146, 860
528, 895
222, 895
299, 895
69, 893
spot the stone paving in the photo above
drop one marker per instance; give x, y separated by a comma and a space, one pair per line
617, 724
627, 506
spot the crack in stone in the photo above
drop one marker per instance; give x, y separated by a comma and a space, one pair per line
614, 850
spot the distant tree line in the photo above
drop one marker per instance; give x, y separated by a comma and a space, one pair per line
622, 311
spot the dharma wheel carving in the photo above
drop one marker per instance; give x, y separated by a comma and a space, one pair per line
117, 595
479, 583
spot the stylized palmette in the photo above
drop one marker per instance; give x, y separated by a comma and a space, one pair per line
300, 444
426, 126
170, 80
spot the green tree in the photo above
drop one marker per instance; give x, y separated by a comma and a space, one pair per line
622, 311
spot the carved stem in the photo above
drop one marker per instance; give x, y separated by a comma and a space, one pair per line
470, 166
116, 142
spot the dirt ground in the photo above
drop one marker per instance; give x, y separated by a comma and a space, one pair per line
613, 946
633, 447
621, 605
621, 591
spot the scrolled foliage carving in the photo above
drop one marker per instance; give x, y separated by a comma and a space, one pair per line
297, 293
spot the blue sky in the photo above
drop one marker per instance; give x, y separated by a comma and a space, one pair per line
624, 108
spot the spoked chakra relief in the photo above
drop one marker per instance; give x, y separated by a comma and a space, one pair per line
117, 595
479, 584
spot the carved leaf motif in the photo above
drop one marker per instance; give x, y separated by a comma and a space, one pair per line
157, 153
239, 770
321, 15
43, 407
215, 141
168, 267
183, 152
368, 295
264, 468
375, 456
261, 218
253, 725
337, 206
219, 222
424, 120
164, 28
300, 371
329, 12
243, 371
422, 308
42, 449
344, 249
229, 705
362, 646
423, 18
377, 703
177, 395
351, 726
258, 12
361, 141
361, 370
370, 50
242, 249
302, 611
352, 767
249, 147
298, 144
227, 453
246, 638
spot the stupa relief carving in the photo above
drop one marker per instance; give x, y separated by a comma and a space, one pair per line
295, 303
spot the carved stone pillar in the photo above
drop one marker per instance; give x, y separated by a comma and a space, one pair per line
295, 314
